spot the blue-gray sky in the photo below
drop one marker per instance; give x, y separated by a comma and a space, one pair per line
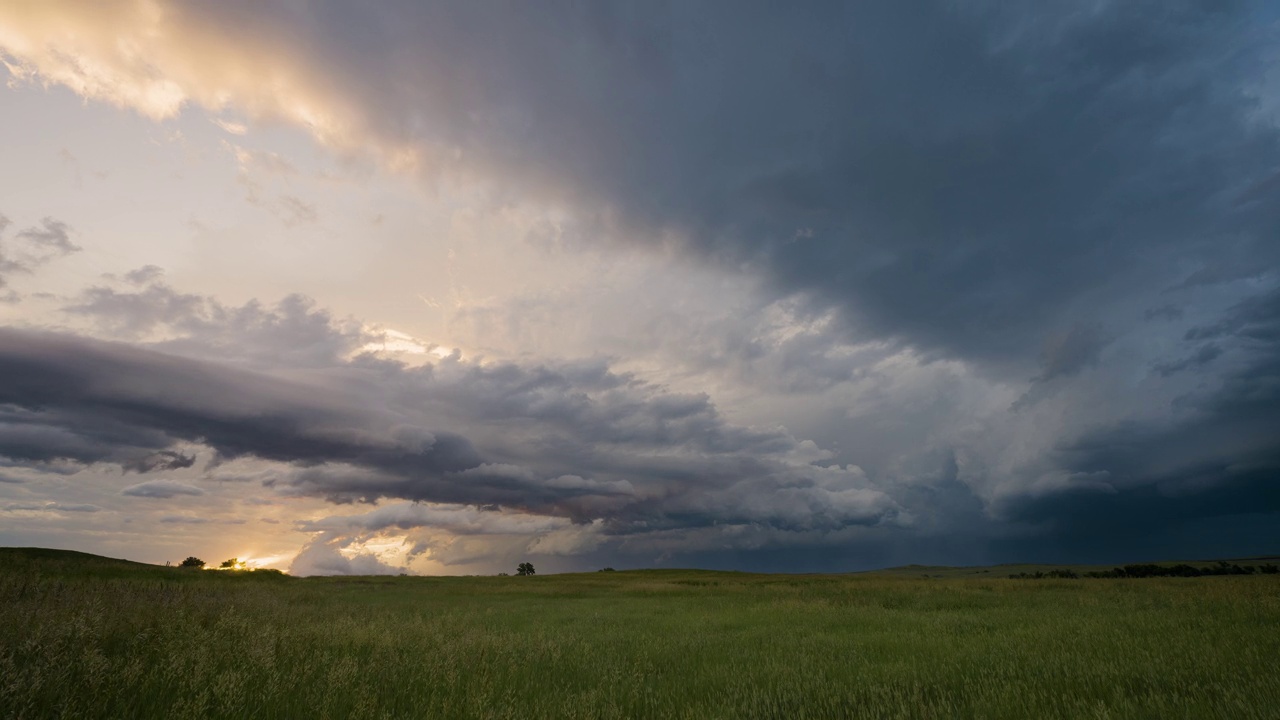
448, 286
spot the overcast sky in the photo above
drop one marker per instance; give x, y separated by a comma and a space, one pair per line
444, 287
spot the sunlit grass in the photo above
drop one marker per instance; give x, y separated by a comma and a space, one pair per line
133, 641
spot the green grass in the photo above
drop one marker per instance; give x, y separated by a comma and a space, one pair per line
88, 637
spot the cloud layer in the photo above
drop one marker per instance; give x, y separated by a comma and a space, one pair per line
970, 279
961, 177
574, 441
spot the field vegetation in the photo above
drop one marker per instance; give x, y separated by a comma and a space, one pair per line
89, 637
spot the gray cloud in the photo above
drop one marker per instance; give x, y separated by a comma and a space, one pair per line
1067, 353
1204, 355
576, 441
69, 388
52, 507
162, 460
293, 332
456, 519
1256, 319
135, 313
161, 489
1219, 456
968, 178
579, 441
1024, 190
195, 520
52, 237
1163, 312
32, 247
294, 211
144, 275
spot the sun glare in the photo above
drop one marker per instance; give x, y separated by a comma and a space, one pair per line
248, 562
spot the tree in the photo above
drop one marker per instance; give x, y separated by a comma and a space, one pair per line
232, 564
192, 561
524, 568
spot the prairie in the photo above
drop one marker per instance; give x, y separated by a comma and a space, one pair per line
84, 636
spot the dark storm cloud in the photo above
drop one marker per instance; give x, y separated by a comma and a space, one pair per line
1255, 319
1164, 312
580, 441
1067, 353
162, 460
1051, 193
968, 177
48, 437
69, 397
1204, 355
1219, 456
575, 441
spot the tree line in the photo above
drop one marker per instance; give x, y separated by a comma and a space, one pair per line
1222, 567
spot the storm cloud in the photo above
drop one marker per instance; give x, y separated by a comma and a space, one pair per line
372, 431
934, 277
63, 389
970, 178
1218, 456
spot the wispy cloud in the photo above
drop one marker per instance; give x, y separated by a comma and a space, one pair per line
161, 489
33, 247
51, 507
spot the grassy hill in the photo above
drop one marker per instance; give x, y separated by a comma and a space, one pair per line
74, 565
92, 637
66, 561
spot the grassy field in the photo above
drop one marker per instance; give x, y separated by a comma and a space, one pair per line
88, 637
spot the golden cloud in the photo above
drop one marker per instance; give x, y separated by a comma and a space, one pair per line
157, 58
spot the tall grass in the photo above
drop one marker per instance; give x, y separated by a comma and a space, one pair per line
140, 642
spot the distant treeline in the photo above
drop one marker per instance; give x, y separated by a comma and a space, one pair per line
1147, 571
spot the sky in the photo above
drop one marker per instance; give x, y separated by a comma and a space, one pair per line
437, 288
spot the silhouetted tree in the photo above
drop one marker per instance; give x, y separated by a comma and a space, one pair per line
525, 568
232, 564
192, 561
